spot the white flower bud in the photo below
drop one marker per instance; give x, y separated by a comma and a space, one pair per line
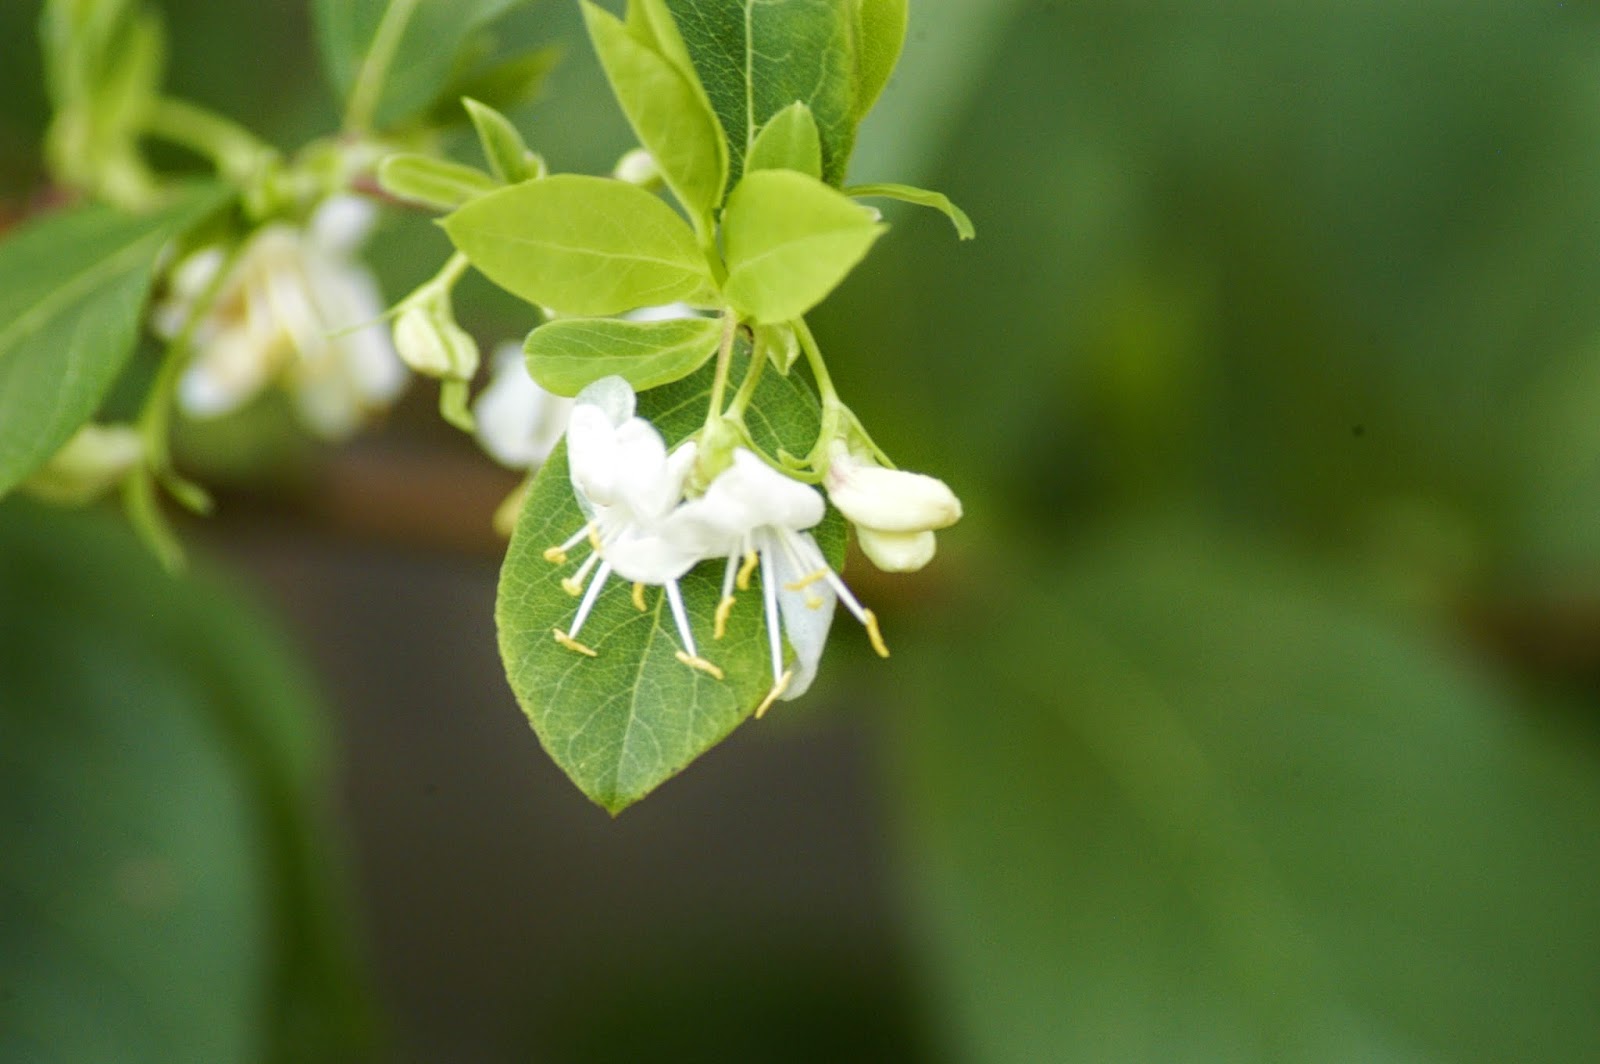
637, 167
888, 500
432, 343
897, 552
90, 463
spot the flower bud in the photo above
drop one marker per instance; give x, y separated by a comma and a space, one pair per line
637, 167
430, 342
896, 552
90, 463
888, 500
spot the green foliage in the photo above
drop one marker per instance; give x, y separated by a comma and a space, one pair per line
581, 245
664, 102
624, 722
922, 198
568, 354
502, 145
72, 295
389, 59
1234, 813
789, 141
790, 241
435, 183
880, 34
169, 890
756, 57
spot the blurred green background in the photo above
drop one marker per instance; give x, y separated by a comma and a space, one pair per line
1249, 715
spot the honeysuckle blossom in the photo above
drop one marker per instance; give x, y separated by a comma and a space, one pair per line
628, 487
895, 512
518, 422
751, 513
295, 307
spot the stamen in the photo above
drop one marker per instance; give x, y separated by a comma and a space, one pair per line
806, 581
874, 635
773, 695
593, 532
573, 585
558, 555
700, 665
724, 608
675, 598
572, 644
769, 597
589, 598
748, 568
638, 597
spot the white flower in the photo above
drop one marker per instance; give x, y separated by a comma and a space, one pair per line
750, 513
628, 486
895, 512
518, 421
295, 306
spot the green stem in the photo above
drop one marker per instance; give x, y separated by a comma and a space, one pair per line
237, 152
719, 383
368, 89
819, 368
747, 387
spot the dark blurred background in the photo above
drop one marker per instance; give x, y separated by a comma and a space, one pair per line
1249, 715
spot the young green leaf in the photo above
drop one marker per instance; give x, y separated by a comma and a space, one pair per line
581, 245
668, 111
622, 723
790, 240
880, 34
789, 141
780, 344
432, 182
390, 58
922, 198
568, 354
756, 57
503, 146
72, 290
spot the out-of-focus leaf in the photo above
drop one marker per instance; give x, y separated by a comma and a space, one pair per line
390, 58
1185, 804
72, 291
623, 722
168, 891
436, 183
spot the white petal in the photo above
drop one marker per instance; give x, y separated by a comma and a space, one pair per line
592, 455
230, 371
644, 557
518, 421
897, 552
613, 395
805, 628
342, 223
773, 498
890, 500
665, 312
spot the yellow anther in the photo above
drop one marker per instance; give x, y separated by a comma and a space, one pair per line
638, 597
871, 621
572, 587
555, 556
700, 665
746, 569
572, 644
724, 608
806, 581
773, 695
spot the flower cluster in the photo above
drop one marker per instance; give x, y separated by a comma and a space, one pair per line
643, 528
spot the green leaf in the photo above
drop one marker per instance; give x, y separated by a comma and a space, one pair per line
390, 58
922, 198
780, 344
1181, 800
72, 292
756, 57
432, 182
622, 723
880, 34
503, 85
170, 888
789, 141
568, 354
790, 240
581, 245
666, 107
503, 146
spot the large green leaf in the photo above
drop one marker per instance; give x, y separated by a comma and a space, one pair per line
880, 34
666, 106
168, 890
756, 57
790, 240
568, 354
622, 723
581, 245
1182, 803
390, 58
72, 292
